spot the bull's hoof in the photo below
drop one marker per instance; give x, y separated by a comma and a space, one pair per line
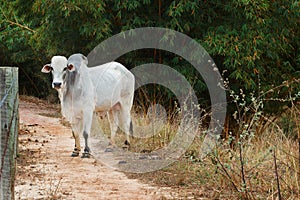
126, 145
75, 154
108, 149
86, 155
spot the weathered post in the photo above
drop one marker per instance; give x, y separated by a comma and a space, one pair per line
9, 123
2, 84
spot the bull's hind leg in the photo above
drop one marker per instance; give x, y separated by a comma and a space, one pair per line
127, 125
77, 147
113, 122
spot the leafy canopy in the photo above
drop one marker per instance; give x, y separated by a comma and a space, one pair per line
256, 42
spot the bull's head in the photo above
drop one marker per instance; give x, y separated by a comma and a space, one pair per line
76, 60
58, 69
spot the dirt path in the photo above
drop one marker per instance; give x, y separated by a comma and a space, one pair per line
46, 170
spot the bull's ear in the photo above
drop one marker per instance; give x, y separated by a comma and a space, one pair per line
71, 67
47, 68
85, 60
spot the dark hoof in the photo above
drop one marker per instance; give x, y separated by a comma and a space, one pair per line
86, 155
108, 150
125, 147
75, 154
146, 151
122, 162
143, 157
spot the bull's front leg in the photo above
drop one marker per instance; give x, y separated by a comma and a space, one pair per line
87, 124
87, 151
77, 147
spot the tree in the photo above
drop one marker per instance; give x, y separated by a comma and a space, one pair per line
256, 42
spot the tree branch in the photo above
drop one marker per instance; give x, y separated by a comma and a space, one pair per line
20, 25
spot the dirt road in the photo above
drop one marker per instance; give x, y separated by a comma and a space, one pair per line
46, 170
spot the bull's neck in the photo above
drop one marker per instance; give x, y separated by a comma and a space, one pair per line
72, 87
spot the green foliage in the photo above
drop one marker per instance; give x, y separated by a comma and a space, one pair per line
257, 39
256, 42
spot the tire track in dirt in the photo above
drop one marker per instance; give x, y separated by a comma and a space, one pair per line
46, 170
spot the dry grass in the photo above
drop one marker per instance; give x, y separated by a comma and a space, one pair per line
245, 172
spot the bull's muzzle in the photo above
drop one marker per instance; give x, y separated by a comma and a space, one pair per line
56, 85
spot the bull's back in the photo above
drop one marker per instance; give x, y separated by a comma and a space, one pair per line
112, 82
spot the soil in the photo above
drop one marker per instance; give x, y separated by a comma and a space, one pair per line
45, 169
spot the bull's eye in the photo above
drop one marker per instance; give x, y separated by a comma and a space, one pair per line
48, 68
65, 69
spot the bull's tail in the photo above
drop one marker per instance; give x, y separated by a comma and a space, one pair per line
131, 128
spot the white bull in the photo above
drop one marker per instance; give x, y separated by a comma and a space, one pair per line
82, 90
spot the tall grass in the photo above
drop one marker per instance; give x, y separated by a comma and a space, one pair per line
258, 159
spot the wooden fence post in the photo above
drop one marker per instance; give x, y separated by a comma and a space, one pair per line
2, 88
9, 123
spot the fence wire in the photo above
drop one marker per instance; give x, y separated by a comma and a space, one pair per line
9, 119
